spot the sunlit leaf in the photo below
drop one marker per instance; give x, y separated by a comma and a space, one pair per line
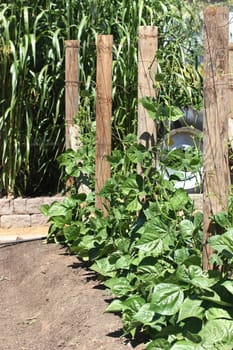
167, 298
191, 308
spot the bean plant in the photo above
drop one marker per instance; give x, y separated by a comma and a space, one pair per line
148, 252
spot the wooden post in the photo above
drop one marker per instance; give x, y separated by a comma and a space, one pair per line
230, 122
71, 92
147, 67
103, 114
217, 109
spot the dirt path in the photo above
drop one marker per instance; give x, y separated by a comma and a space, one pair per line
50, 302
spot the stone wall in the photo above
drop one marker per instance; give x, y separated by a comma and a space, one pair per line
24, 212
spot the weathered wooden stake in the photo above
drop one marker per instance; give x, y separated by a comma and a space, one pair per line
71, 92
147, 67
103, 115
230, 122
217, 110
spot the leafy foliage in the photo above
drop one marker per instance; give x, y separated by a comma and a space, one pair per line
147, 251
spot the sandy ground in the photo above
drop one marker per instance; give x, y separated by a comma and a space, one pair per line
50, 301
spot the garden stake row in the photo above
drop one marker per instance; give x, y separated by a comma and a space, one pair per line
217, 109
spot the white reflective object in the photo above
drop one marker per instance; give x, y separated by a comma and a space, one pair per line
183, 138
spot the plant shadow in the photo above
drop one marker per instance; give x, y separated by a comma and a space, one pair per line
126, 340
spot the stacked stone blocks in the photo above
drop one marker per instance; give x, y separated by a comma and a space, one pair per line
24, 212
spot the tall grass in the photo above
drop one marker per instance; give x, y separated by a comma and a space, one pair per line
31, 102
32, 35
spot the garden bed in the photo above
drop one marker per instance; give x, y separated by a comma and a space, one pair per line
50, 301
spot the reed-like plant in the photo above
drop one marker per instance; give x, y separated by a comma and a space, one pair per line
32, 38
31, 100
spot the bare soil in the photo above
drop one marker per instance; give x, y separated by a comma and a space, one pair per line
50, 301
